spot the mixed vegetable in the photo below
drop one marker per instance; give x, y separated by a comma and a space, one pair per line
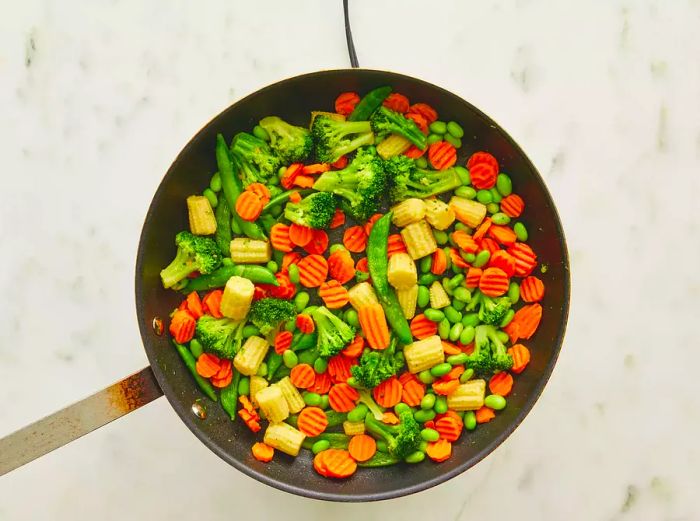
386, 345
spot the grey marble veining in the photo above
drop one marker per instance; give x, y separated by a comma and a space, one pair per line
97, 99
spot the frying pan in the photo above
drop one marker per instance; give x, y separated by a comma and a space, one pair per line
293, 99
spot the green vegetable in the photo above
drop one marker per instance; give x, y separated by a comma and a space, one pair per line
290, 358
415, 457
481, 258
221, 336
455, 331
193, 254
440, 370
321, 365
493, 208
467, 335
375, 366
262, 370
463, 174
444, 329
324, 402
320, 446
423, 296
211, 197
438, 127
458, 359
315, 210
301, 300
229, 396
433, 138
470, 420
500, 218
520, 231
441, 238
424, 416
492, 310
218, 278
507, 318
452, 314
304, 341
401, 407
358, 413
380, 459
455, 129
352, 318
466, 376
291, 144
190, 363
426, 377
336, 440
333, 139
426, 263
260, 133
427, 279
462, 294
490, 355
407, 180
421, 162
434, 315
244, 386
196, 348
428, 402
484, 196
495, 196
455, 142
366, 398
312, 399
268, 313
335, 418
401, 439
504, 185
369, 103
495, 401
333, 333
222, 236
386, 121
513, 292
278, 200
440, 405
254, 158
215, 183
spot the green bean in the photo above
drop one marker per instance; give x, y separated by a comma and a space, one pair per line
358, 413
458, 304
301, 300
427, 402
455, 142
426, 377
459, 359
229, 396
215, 183
462, 294
467, 335
196, 348
211, 197
496, 197
320, 446
290, 326
235, 225
455, 331
495, 401
226, 261
465, 191
440, 405
481, 258
261, 133
434, 315
190, 363
502, 336
470, 420
452, 314
423, 298
250, 330
244, 386
440, 237
440, 370
513, 292
381, 446
423, 416
466, 376
422, 162
425, 279
438, 127
312, 399
307, 356
430, 434
469, 257
463, 174
274, 181
471, 319
500, 218
324, 402
504, 185
415, 457
507, 318
434, 138
520, 231
400, 408
444, 329
484, 196
290, 358
493, 208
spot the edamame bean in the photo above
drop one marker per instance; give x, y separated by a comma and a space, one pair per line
459, 359
428, 402
507, 318
290, 358
465, 191
422, 162
461, 227
250, 330
427, 279
400, 408
458, 304
456, 331
504, 185
462, 295
244, 386
426, 377
415, 457
320, 365
513, 292
440, 370
430, 435
466, 376
324, 402
520, 231
452, 314
358, 413
455, 129
495, 401
426, 263
500, 218
423, 298
470, 420
293, 271
352, 318
320, 446
272, 266
463, 174
262, 370
469, 257
467, 335
211, 197
312, 399
434, 138
481, 258
438, 127
261, 133
215, 183
440, 405
301, 300
423, 416
470, 319
335, 247
495, 195
502, 336
196, 348
434, 315
446, 286
455, 142
456, 280
493, 208
444, 329
484, 196
440, 237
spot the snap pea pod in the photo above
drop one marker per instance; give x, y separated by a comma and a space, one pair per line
380, 459
335, 418
219, 277
377, 261
222, 236
190, 363
232, 188
336, 440
303, 341
268, 221
369, 103
274, 361
283, 198
229, 396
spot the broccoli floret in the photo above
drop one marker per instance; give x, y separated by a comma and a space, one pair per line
254, 158
492, 310
268, 313
402, 439
333, 139
490, 355
221, 336
376, 366
360, 185
407, 180
315, 210
292, 144
387, 121
366, 398
333, 333
193, 254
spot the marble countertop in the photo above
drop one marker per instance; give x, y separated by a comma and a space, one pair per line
96, 100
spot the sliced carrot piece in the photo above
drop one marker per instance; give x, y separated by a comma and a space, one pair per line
339, 463
502, 234
303, 181
260, 190
294, 197
313, 270
397, 102
483, 176
222, 382
194, 305
283, 341
322, 384
493, 282
300, 235
512, 205
341, 163
442, 155
316, 168
355, 239
263, 452
525, 259
439, 451
419, 120
334, 294
395, 244
482, 157
279, 238
439, 262
450, 349
390, 418
521, 357
249, 206
445, 387
312, 421
318, 244
457, 259
501, 383
354, 348
465, 241
339, 368
302, 376
338, 219
362, 447
305, 323
207, 365
482, 229
414, 152
449, 428
422, 328
484, 414
290, 175
413, 392
504, 260
345, 103
182, 326
487, 243
342, 397
341, 266
531, 289
388, 393
290, 258
374, 326
367, 227
424, 110
211, 303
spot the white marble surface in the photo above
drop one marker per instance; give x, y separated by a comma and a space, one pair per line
97, 98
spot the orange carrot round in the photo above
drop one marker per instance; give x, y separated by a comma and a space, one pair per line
341, 163
482, 157
504, 260
334, 294
300, 235
302, 376
225, 369
449, 428
414, 152
487, 243
525, 259
457, 259
354, 348
367, 227
207, 365
263, 452
279, 238
503, 234
422, 327
390, 418
335, 463
342, 397
388, 393
521, 357
182, 326
527, 319
362, 447
283, 341
374, 326
397, 102
341, 267
290, 258
512, 205
445, 387
313, 270
473, 277
316, 168
355, 239
312, 421
290, 175
412, 393
249, 206
338, 219
465, 241
321, 385
531, 289
484, 414
439, 451
339, 368
483, 169
303, 181
442, 155
493, 282
501, 383
450, 349
305, 323
194, 305
318, 243
222, 382
395, 244
260, 190
345, 103
211, 303
439, 262
424, 110
362, 265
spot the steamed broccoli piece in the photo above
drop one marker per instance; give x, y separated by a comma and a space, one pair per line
402, 439
376, 366
368, 400
268, 313
257, 162
387, 121
333, 139
492, 310
193, 254
292, 144
220, 336
490, 355
407, 180
360, 185
315, 210
333, 333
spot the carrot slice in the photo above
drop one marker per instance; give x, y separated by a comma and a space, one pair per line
504, 260
362, 447
334, 294
290, 258
355, 239
300, 235
367, 227
521, 357
374, 326
285, 289
338, 463
194, 305
322, 383
341, 267
316, 168
395, 244
290, 175
439, 451
501, 383
487, 243
419, 120
339, 368
342, 397
225, 369
422, 328
484, 414
413, 392
527, 320
320, 464
525, 259
312, 421
442, 155
283, 341
302, 376
249, 206
207, 365
279, 238
345, 103
222, 382
305, 323
303, 181
424, 110
211, 303
313, 270
397, 102
294, 197
182, 326
341, 163
493, 282
449, 428
482, 157
263, 452
354, 348
482, 229
388, 393
338, 219
512, 205
503, 234
531, 289
445, 387
450, 349
457, 259
260, 190
318, 244
390, 418
414, 152
439, 262
465, 241
473, 277
483, 169
454, 373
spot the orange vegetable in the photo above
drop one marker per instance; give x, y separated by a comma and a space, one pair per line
454, 373
194, 305
439, 263
345, 103
473, 277
294, 197
449, 428
341, 267
414, 152
339, 368
388, 393
367, 227
263, 452
487, 243
211, 303
397, 102
334, 294
182, 326
483, 169
316, 168
305, 323
390, 418
289, 259
335, 463
341, 163
354, 348
260, 190
207, 365
342, 397
362, 265
322, 384
424, 110
503, 234
303, 181
504, 260
484, 414
525, 259
285, 289
249, 206
290, 175
362, 447
302, 376
300, 235
248, 414
464, 241
450, 349
524, 323
279, 238
338, 219
493, 282
313, 270
355, 239
413, 392
531, 289
283, 340
422, 328
395, 244
445, 387
501, 383
225, 369
419, 120
318, 244
482, 229
439, 451
457, 259
482, 157
521, 357
374, 326
222, 382
442, 155
312, 421
512, 205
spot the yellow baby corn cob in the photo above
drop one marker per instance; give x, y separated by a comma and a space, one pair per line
419, 239
407, 300
402, 272
284, 437
393, 146
295, 402
467, 211
424, 354
407, 212
361, 295
438, 296
248, 359
439, 214
201, 215
468, 396
272, 404
257, 384
237, 297
352, 428
250, 251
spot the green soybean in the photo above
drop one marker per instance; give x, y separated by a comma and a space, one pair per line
215, 183
415, 457
504, 185
462, 294
444, 329
438, 127
262, 370
428, 402
470, 319
423, 298
426, 279
430, 435
250, 330
426, 263
502, 336
244, 386
400, 408
495, 196
446, 286
358, 413
507, 318
320, 446
513, 292
261, 133
455, 142
211, 197
467, 335
352, 318
452, 314
465, 191
293, 270
272, 266
301, 300
312, 399
434, 315
320, 365
481, 258
495, 401
500, 218
456, 280
423, 416
440, 370
440, 405
461, 227
463, 174
440, 237
466, 376
469, 257
422, 162
455, 129
458, 304
335, 247
426, 377
434, 138
493, 208
324, 402
484, 196
459, 359
455, 331
196, 348
520, 231
470, 420
290, 358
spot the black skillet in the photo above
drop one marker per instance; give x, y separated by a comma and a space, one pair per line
293, 99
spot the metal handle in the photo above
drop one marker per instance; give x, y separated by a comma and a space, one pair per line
76, 420
348, 37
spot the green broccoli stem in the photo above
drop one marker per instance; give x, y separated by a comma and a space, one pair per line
178, 269
354, 144
366, 398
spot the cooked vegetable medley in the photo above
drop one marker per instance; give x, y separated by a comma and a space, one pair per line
384, 344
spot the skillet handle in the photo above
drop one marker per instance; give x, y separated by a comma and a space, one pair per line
66, 425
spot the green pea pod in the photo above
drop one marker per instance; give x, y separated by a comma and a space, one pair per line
378, 265
229, 396
190, 363
380, 459
219, 277
281, 373
223, 227
336, 440
274, 361
304, 341
232, 188
371, 102
258, 274
283, 198
267, 221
